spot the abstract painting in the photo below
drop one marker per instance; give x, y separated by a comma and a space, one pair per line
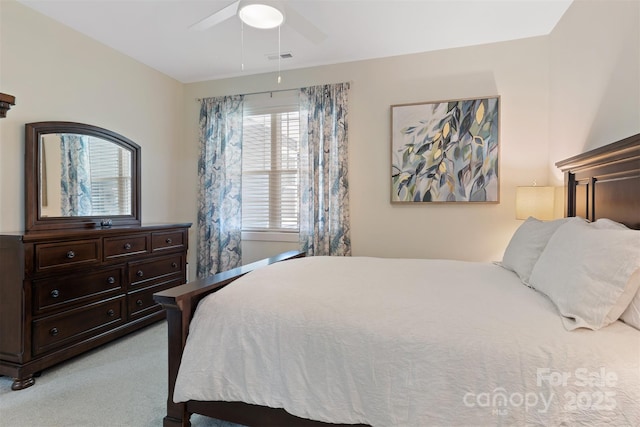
445, 151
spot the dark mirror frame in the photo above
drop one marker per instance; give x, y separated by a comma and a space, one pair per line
34, 221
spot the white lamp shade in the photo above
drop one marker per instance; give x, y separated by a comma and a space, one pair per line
260, 14
537, 202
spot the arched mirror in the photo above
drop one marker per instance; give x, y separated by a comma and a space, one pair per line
80, 176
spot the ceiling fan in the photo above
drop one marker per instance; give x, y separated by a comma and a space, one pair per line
280, 11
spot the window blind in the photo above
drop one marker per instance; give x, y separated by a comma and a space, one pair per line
110, 178
270, 147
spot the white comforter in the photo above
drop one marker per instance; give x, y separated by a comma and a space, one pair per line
403, 342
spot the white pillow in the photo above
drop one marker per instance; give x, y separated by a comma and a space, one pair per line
631, 315
606, 223
527, 243
587, 273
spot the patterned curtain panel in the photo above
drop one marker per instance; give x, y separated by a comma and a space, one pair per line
324, 188
220, 176
76, 175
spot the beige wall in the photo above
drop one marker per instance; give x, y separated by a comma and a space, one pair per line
517, 71
56, 73
595, 77
560, 95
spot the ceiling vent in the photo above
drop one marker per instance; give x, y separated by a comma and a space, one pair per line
283, 55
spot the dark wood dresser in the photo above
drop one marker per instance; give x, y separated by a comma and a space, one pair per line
63, 292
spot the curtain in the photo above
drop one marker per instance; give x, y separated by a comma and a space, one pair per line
220, 179
75, 179
324, 188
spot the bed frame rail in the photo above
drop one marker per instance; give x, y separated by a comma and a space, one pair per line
180, 303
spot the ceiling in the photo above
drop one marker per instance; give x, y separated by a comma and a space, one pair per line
157, 33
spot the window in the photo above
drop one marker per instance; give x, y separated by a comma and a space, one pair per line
270, 147
110, 169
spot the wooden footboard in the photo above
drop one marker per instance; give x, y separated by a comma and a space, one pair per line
180, 303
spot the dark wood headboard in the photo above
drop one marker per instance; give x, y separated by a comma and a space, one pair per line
605, 183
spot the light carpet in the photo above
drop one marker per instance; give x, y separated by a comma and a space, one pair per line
121, 384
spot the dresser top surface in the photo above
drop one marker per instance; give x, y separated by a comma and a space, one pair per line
93, 232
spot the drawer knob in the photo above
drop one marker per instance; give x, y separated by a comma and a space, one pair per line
169, 241
71, 254
127, 246
111, 280
55, 293
174, 264
139, 302
53, 332
140, 273
111, 313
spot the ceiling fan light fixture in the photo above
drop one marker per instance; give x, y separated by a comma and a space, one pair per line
261, 15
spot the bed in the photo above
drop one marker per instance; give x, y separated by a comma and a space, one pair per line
480, 344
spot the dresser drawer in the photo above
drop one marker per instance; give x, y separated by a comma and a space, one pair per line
55, 331
59, 292
134, 244
141, 273
51, 256
141, 303
165, 240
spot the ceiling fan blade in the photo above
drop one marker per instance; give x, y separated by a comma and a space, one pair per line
303, 26
216, 17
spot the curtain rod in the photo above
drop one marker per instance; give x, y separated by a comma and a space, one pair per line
252, 93
258, 93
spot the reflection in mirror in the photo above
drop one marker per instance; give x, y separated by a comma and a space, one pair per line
83, 175
80, 176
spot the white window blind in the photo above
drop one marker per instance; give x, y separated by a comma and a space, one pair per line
270, 146
110, 178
